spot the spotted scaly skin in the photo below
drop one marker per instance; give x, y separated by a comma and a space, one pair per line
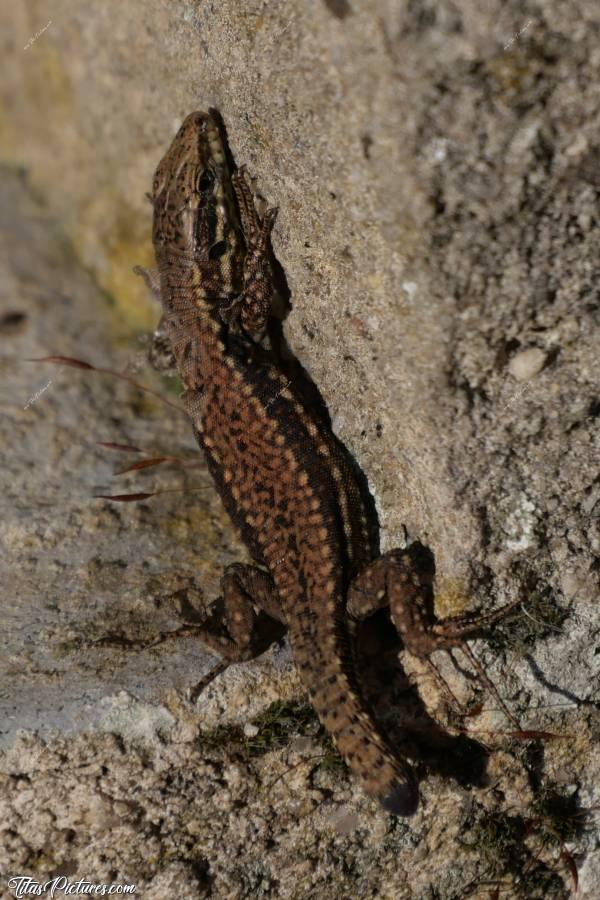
284, 478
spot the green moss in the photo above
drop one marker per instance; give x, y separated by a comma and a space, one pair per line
277, 726
171, 385
279, 723
539, 617
66, 648
331, 761
499, 841
560, 817
222, 737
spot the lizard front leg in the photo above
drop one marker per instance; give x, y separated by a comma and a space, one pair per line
160, 354
254, 305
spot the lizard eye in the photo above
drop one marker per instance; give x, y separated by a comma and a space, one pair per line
217, 250
206, 179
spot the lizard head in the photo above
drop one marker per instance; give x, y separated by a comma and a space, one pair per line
195, 211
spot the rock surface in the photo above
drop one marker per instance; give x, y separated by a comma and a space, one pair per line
436, 168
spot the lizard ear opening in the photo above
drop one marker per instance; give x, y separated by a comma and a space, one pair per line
206, 179
217, 250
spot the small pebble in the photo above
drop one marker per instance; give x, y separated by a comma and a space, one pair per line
344, 820
527, 364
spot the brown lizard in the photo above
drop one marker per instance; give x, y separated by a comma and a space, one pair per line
285, 479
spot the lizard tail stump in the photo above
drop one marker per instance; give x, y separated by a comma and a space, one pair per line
401, 800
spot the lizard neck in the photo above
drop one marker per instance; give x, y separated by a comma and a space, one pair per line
192, 314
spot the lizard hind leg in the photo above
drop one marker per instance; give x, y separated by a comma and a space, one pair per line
397, 579
422, 633
394, 579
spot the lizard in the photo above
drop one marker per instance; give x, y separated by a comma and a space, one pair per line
286, 480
